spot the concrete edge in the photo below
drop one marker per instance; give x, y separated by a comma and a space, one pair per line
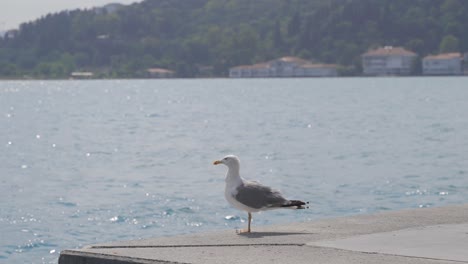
80, 257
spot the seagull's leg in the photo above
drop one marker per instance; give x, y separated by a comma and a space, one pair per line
250, 220
248, 227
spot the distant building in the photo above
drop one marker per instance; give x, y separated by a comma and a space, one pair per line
387, 61
109, 8
160, 73
465, 63
443, 64
103, 37
284, 67
10, 34
81, 75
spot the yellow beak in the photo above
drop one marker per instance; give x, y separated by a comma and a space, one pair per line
217, 162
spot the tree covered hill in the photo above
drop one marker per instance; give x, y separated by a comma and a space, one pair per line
194, 37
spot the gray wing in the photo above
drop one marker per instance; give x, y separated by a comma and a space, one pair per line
258, 196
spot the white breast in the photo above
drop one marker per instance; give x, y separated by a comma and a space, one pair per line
233, 180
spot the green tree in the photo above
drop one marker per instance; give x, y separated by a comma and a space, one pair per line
278, 42
294, 25
449, 43
8, 70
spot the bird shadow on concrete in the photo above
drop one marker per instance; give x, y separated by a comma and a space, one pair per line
273, 234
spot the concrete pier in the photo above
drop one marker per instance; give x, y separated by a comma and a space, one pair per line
429, 235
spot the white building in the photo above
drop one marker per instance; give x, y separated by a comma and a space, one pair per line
160, 73
443, 64
284, 67
388, 60
81, 75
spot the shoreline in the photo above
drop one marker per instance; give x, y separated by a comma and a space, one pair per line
228, 78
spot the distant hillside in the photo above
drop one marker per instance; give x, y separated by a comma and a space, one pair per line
206, 37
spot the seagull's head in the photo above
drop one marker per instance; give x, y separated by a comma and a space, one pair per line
230, 160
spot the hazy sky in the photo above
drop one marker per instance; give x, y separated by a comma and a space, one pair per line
15, 12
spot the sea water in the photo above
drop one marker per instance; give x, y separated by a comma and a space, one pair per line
84, 162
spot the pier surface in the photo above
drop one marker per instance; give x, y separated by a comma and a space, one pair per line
429, 235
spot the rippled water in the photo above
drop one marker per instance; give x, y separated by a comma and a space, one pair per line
83, 162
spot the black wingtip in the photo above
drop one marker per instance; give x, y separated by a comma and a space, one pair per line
296, 204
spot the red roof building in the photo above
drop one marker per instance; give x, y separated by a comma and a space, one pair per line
284, 67
443, 64
388, 60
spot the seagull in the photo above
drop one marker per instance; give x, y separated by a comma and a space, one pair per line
251, 196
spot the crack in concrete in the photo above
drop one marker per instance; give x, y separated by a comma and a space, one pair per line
207, 245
